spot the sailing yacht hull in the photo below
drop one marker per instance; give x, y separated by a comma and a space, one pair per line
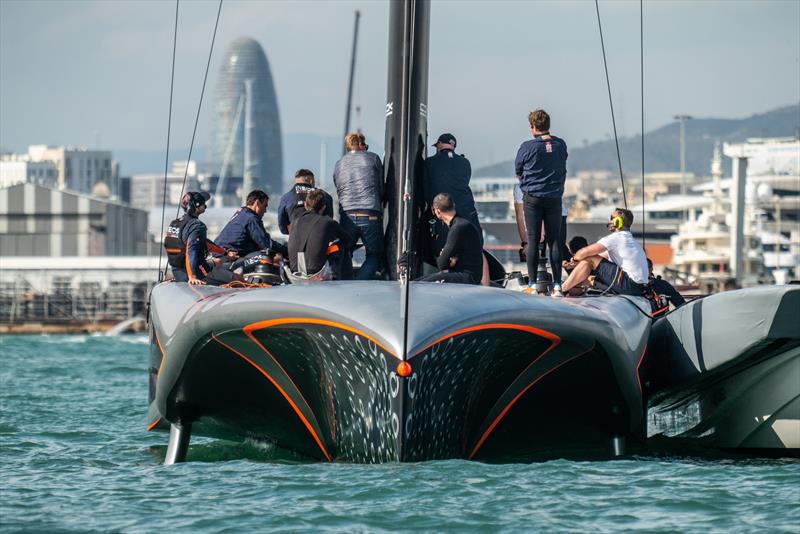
494, 375
724, 372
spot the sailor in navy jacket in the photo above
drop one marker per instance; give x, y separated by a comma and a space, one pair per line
245, 232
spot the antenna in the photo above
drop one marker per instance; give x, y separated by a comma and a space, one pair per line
350, 83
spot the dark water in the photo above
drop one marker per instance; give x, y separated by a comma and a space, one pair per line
75, 457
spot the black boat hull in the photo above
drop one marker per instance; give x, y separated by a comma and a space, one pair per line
489, 386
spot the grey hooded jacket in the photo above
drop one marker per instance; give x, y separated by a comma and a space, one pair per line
358, 177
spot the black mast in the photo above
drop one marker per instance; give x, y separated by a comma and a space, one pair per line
350, 83
406, 130
406, 139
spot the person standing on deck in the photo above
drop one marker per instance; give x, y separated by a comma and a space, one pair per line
448, 172
541, 167
358, 177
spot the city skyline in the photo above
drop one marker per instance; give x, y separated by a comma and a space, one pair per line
101, 77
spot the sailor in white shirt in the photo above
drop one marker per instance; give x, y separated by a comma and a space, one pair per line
617, 260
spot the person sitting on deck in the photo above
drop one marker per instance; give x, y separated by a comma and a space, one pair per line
625, 270
187, 245
664, 293
317, 242
461, 258
245, 232
575, 244
292, 204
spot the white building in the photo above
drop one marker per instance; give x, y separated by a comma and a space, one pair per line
78, 169
19, 169
147, 190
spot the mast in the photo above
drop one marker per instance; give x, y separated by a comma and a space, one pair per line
247, 178
406, 130
350, 83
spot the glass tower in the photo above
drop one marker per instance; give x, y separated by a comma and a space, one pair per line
245, 60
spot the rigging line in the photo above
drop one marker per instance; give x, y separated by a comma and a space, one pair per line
611, 104
169, 128
199, 107
641, 79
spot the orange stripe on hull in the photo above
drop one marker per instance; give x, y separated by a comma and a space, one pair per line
307, 320
285, 395
152, 425
516, 398
641, 359
554, 339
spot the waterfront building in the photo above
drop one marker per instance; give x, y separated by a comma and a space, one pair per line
749, 229
147, 190
245, 125
73, 294
40, 221
77, 168
19, 169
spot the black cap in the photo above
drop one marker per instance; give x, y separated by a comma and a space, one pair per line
193, 199
447, 138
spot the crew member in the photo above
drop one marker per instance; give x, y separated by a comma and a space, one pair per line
625, 270
187, 245
575, 244
318, 237
292, 203
541, 167
461, 258
664, 293
245, 232
448, 172
358, 177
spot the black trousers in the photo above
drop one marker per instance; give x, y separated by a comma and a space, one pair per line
449, 278
538, 209
217, 277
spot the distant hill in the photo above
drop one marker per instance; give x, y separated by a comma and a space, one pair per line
662, 146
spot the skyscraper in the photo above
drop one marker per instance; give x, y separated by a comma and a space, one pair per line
244, 118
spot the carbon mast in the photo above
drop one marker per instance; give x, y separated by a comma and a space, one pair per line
406, 140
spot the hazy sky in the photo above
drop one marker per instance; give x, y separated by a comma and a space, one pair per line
75, 72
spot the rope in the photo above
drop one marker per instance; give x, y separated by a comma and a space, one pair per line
611, 104
641, 72
169, 128
197, 116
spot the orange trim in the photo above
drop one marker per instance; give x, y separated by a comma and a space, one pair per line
307, 320
515, 399
285, 395
641, 359
188, 267
152, 425
554, 339
158, 342
214, 248
173, 250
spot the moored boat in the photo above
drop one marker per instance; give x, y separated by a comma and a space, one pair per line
724, 372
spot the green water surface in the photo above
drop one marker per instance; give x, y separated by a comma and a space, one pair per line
75, 457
